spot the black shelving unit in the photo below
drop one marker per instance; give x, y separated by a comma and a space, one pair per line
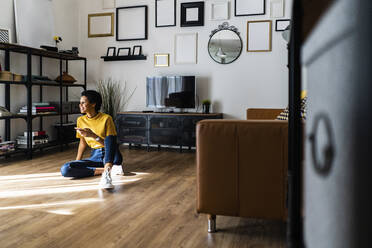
128, 57
29, 83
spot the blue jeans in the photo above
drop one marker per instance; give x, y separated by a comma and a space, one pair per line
98, 158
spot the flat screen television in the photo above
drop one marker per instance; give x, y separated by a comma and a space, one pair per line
170, 92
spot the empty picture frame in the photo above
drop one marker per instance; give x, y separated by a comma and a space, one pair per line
219, 11
165, 13
137, 50
281, 25
100, 25
249, 7
5, 35
161, 60
131, 23
111, 51
108, 4
192, 14
124, 51
259, 36
186, 48
276, 8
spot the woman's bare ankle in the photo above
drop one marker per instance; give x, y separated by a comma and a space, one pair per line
98, 171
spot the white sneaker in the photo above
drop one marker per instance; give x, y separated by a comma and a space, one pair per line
106, 181
117, 169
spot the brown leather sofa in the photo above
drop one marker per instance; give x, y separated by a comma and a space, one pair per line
242, 167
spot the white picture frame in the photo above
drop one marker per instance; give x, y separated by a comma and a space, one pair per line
259, 36
165, 13
5, 35
108, 4
219, 11
250, 7
277, 8
34, 17
131, 23
161, 60
185, 48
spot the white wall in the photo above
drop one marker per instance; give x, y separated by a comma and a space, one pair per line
66, 22
254, 80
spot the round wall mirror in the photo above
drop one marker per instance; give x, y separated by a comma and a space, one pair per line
225, 44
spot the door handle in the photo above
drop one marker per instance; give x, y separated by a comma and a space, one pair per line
322, 167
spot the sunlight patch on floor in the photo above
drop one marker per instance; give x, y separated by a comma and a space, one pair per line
38, 175
54, 204
62, 188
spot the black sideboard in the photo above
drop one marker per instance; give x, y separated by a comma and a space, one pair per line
173, 129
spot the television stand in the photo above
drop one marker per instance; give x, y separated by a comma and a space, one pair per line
171, 129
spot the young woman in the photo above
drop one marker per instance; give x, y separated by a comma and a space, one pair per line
96, 130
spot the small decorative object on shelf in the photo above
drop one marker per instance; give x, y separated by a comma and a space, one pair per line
7, 146
4, 112
66, 78
57, 39
206, 106
6, 76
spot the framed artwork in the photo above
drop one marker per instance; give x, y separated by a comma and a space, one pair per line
281, 25
259, 36
108, 4
276, 8
249, 7
131, 23
165, 13
124, 51
192, 14
137, 50
186, 48
219, 11
5, 35
111, 51
161, 60
100, 25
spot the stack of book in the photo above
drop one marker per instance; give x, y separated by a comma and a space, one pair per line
7, 146
39, 108
38, 138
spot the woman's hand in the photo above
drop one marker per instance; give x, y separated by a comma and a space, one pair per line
86, 132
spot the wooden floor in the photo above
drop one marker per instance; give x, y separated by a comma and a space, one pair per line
153, 208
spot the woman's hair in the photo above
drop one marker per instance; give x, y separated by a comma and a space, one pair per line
93, 97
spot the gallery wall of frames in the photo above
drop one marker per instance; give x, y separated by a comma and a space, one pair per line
131, 39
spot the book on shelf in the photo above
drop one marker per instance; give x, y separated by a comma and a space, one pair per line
40, 104
35, 133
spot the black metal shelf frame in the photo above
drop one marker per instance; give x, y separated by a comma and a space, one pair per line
30, 52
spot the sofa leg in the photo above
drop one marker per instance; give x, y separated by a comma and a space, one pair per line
211, 223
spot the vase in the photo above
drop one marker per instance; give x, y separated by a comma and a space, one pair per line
206, 108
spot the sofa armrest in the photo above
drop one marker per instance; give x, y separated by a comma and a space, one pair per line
262, 113
242, 167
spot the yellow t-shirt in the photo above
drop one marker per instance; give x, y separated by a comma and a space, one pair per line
101, 124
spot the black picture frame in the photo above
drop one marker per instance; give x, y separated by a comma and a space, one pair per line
188, 23
108, 51
250, 14
156, 15
134, 50
123, 49
120, 29
281, 20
